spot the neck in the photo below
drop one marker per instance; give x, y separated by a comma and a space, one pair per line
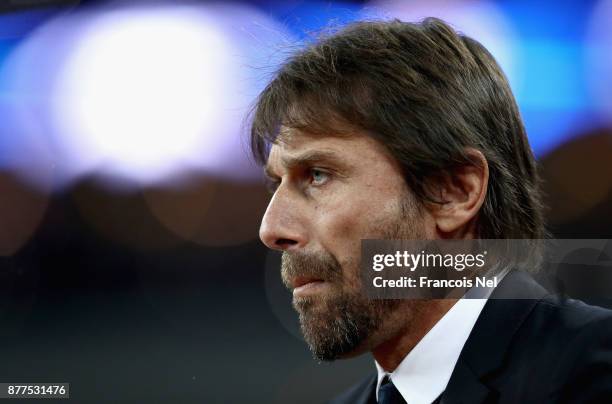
424, 314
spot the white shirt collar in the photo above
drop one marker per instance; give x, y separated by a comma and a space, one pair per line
424, 373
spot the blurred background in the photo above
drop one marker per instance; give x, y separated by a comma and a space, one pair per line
129, 207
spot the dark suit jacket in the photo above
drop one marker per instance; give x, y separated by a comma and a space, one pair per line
538, 349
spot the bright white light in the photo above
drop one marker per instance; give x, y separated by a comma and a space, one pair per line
140, 94
144, 92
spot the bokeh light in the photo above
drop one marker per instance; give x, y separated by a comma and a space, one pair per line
138, 93
210, 211
578, 176
599, 59
146, 93
121, 218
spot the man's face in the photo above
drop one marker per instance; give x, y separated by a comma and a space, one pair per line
332, 192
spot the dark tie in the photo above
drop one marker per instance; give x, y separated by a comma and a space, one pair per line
388, 394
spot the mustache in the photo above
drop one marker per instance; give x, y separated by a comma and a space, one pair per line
299, 264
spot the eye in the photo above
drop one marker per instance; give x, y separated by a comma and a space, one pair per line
318, 176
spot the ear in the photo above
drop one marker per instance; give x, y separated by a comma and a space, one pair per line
462, 192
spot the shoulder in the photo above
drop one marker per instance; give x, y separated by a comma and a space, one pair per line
582, 335
538, 347
571, 318
558, 328
362, 392
523, 302
578, 327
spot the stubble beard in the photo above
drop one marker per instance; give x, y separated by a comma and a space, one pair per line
340, 323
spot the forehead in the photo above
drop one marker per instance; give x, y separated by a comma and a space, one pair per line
354, 148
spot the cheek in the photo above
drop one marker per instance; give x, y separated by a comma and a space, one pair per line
342, 228
358, 208
347, 220
365, 218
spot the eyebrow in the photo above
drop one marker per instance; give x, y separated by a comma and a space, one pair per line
305, 159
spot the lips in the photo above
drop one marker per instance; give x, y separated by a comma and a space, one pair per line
303, 280
309, 274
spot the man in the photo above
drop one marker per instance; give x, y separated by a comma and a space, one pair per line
391, 130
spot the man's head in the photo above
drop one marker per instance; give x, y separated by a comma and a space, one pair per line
386, 130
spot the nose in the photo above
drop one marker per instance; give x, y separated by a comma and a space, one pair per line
282, 227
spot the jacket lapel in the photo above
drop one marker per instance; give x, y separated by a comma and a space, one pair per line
490, 339
369, 394
464, 387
